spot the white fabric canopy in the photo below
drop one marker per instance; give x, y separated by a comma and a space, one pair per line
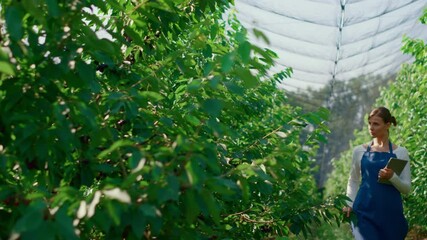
324, 40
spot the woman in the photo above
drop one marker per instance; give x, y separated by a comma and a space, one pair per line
378, 206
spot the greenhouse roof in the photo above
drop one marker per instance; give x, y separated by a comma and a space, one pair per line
331, 40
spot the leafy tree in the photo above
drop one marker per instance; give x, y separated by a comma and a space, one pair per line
167, 128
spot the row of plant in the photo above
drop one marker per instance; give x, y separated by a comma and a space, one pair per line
152, 119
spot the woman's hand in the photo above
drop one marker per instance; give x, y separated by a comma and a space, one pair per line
347, 211
385, 173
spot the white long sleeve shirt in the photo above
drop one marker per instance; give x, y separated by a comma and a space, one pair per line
401, 183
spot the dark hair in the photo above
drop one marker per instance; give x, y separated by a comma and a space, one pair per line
383, 113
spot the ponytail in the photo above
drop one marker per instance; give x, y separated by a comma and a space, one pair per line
393, 120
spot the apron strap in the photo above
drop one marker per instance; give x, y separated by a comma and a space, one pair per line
390, 146
368, 149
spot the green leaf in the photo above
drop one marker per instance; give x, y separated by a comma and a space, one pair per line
212, 205
191, 206
234, 88
46, 230
245, 51
136, 160
181, 66
53, 8
118, 144
194, 85
215, 81
213, 107
32, 218
203, 5
223, 186
324, 113
312, 118
249, 80
259, 34
7, 68
194, 172
149, 210
170, 191
244, 186
103, 168
138, 223
207, 69
14, 17
103, 220
88, 75
136, 37
227, 62
64, 224
153, 96
211, 160
113, 211
207, 52
33, 9
193, 120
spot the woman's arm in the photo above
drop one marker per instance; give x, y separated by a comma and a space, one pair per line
402, 182
354, 176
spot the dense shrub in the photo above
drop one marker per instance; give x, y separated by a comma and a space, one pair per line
168, 126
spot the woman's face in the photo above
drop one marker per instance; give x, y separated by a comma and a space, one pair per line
377, 127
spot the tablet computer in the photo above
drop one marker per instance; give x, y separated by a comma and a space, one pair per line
397, 165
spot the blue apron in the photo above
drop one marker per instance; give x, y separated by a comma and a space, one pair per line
378, 206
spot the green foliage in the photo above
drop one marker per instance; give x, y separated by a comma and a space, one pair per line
330, 231
408, 102
166, 128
